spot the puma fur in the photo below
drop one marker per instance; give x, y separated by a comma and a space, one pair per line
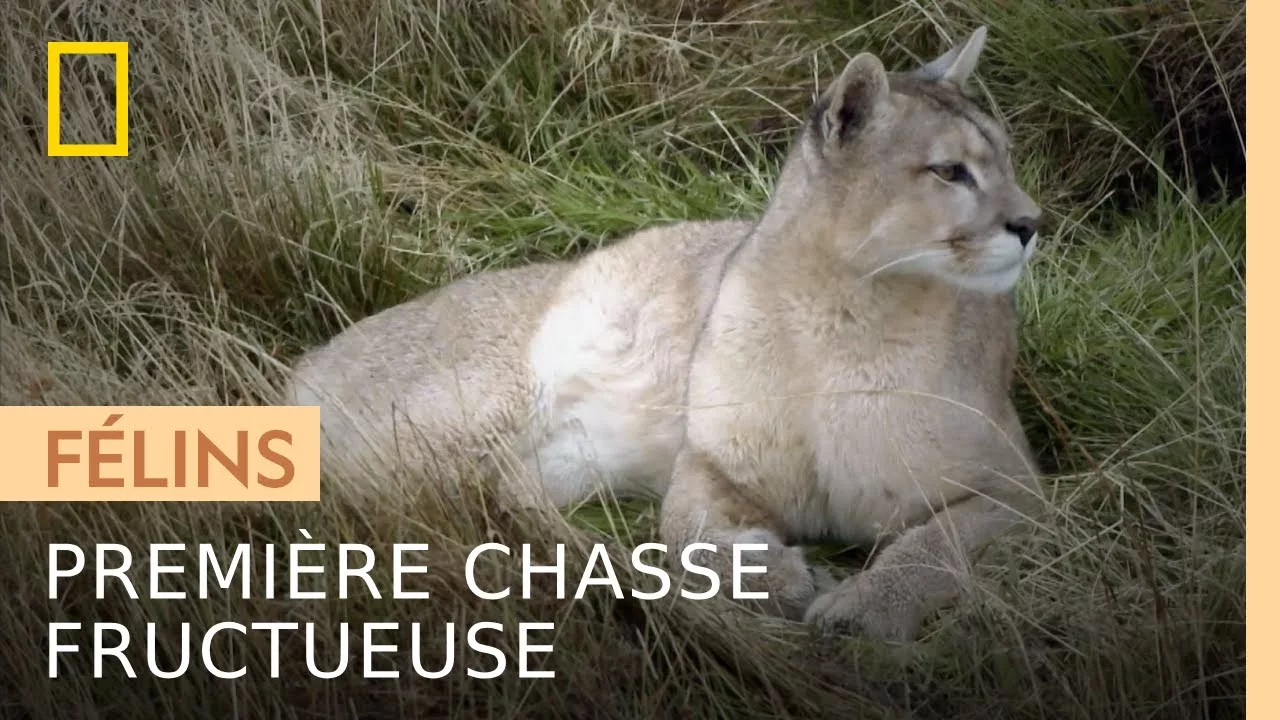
837, 370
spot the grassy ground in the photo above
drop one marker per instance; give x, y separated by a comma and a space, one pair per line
295, 165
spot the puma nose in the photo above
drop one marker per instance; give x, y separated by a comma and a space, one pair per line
1024, 227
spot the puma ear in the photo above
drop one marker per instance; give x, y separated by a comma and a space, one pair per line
852, 98
957, 64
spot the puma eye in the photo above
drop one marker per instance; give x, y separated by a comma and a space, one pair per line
951, 172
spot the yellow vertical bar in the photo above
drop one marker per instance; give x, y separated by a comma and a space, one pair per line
122, 100
54, 120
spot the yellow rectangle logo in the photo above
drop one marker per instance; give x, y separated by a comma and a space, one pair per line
178, 453
55, 52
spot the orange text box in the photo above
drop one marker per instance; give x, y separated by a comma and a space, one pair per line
179, 453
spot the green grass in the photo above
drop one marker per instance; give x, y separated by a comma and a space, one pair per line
298, 165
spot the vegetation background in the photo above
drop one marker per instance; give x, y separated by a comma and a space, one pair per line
297, 164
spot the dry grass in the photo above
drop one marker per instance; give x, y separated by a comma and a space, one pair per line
295, 165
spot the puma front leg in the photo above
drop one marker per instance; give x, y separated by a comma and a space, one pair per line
702, 505
925, 569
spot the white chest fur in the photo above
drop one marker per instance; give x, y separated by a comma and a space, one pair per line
842, 425
886, 457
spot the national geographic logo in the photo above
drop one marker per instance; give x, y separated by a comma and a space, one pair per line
119, 148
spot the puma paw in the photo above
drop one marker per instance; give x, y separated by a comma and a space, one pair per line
869, 604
